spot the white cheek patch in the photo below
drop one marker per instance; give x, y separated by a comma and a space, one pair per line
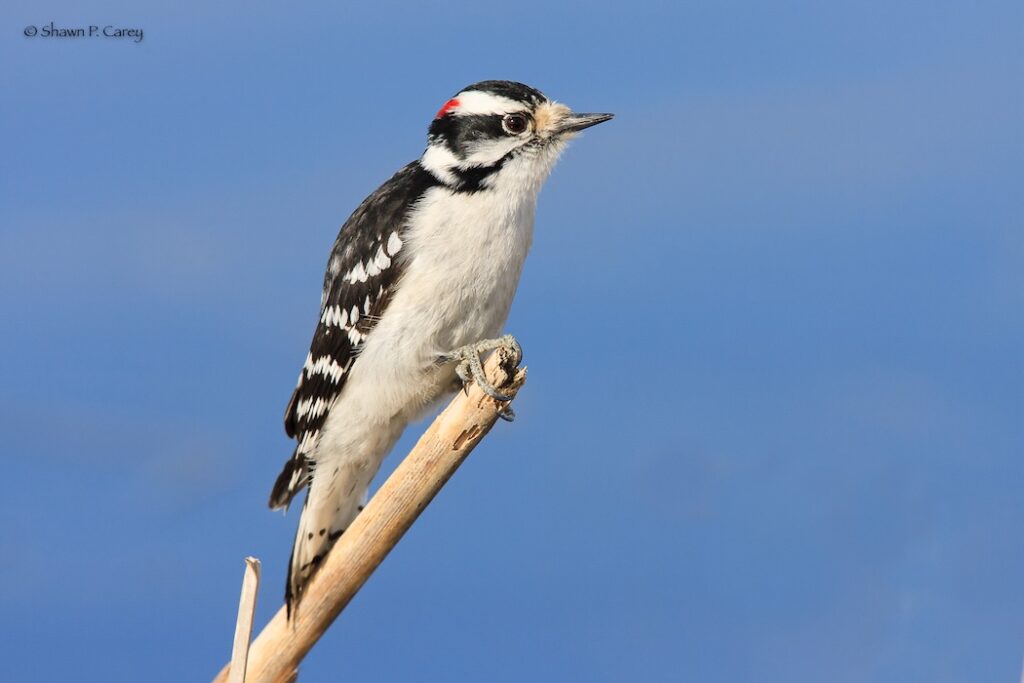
438, 159
487, 152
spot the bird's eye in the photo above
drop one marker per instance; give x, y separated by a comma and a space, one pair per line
514, 124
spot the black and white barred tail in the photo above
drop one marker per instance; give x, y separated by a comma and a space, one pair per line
294, 476
321, 524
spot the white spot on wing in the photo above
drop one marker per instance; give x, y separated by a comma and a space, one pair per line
357, 274
326, 366
309, 440
394, 244
381, 260
334, 315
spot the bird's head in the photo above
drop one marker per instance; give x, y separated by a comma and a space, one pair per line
500, 133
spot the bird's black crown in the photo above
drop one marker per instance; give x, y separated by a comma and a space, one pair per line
520, 92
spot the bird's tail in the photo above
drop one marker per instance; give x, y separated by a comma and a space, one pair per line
293, 478
336, 496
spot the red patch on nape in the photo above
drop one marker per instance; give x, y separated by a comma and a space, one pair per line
448, 106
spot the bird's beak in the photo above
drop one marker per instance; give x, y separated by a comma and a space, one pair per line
574, 123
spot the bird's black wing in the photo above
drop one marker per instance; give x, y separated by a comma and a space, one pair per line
362, 273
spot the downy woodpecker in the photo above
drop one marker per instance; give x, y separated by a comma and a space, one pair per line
419, 282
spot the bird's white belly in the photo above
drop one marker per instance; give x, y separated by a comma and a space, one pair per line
465, 254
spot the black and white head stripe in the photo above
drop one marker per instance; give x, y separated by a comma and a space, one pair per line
493, 97
484, 103
365, 265
469, 138
520, 92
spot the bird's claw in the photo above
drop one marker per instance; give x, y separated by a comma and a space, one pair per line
465, 376
477, 371
470, 368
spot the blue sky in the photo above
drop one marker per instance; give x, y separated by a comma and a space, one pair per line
774, 318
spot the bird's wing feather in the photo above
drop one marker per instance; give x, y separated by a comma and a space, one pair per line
362, 273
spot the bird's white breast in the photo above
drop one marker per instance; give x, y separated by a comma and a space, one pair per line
464, 254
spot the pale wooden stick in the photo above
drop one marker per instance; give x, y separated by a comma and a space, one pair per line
243, 627
277, 651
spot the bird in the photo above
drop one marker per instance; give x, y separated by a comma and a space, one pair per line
418, 286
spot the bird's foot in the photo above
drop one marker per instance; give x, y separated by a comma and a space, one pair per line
470, 369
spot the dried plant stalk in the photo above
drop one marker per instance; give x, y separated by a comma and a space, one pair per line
243, 626
276, 653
